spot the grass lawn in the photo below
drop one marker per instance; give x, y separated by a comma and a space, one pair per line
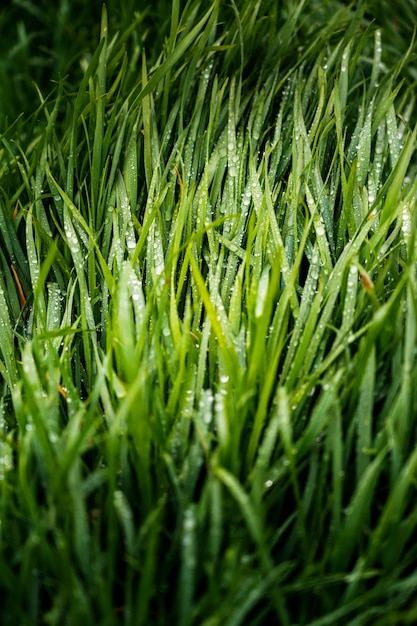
208, 313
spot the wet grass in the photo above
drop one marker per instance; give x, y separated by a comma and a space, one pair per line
208, 308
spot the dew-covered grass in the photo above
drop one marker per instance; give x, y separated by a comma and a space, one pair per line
208, 310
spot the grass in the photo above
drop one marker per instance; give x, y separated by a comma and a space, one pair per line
208, 307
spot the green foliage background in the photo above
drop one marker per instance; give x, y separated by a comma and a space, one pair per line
208, 313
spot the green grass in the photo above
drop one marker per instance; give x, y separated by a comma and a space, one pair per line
208, 314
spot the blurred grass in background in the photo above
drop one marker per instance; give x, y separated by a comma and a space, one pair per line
208, 313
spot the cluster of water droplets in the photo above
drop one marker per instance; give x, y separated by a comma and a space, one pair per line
205, 406
130, 236
350, 298
345, 61
394, 136
138, 299
232, 154
156, 251
406, 220
71, 235
220, 411
188, 537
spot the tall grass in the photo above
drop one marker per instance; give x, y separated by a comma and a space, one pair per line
208, 321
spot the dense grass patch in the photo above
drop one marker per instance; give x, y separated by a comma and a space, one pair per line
208, 309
